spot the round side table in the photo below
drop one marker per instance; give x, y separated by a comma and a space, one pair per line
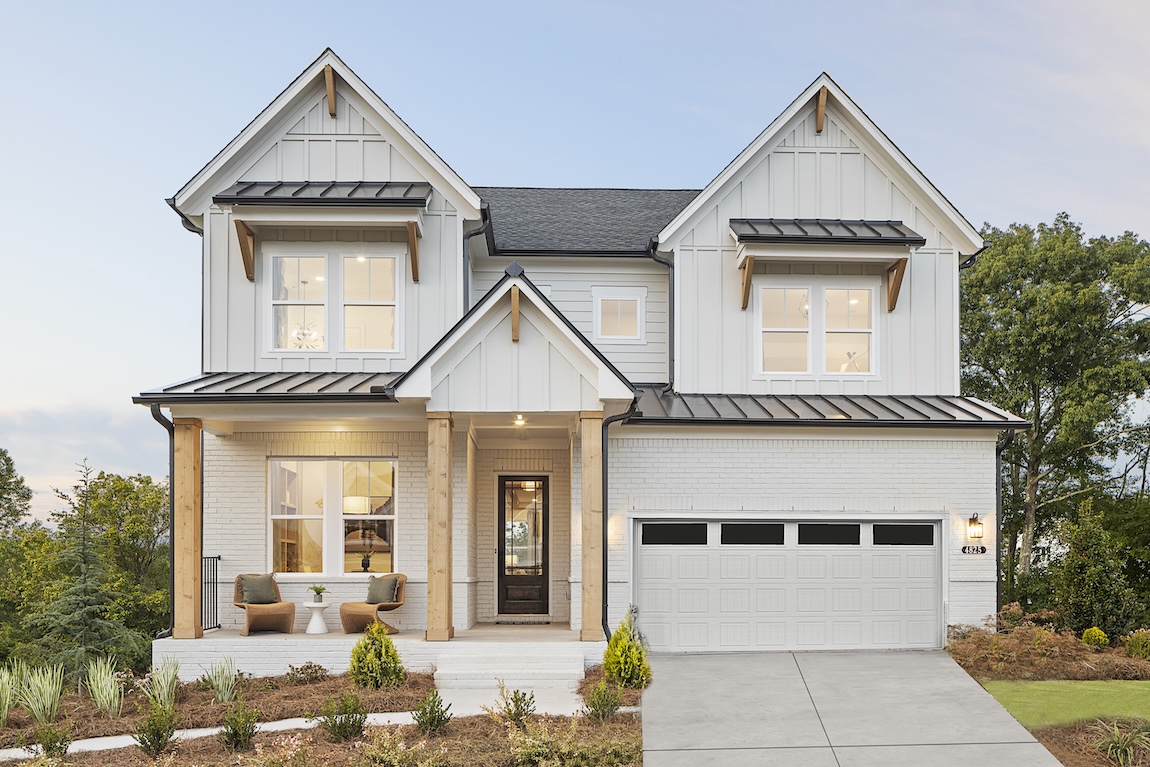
316, 625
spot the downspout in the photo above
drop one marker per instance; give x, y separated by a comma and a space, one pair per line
160, 419
631, 412
485, 215
1001, 446
653, 254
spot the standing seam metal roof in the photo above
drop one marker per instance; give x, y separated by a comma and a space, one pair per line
355, 193
824, 230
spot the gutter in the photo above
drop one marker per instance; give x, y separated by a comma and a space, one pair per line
969, 262
630, 413
187, 222
171, 428
998, 449
653, 253
485, 227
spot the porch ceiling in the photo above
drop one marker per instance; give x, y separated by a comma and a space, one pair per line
537, 430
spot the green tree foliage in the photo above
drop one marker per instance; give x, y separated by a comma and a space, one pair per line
1054, 330
1089, 584
15, 496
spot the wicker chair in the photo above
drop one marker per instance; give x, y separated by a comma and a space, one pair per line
356, 615
276, 616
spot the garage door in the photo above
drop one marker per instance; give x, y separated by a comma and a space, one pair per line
705, 586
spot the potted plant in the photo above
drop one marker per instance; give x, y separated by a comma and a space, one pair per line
318, 590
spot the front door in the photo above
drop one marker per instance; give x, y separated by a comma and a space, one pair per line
522, 559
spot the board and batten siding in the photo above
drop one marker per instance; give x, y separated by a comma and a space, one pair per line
869, 475
568, 283
838, 174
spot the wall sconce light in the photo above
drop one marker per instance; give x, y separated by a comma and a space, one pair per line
974, 527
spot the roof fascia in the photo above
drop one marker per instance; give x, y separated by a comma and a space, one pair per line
303, 82
675, 228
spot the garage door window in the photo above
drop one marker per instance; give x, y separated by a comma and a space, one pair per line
693, 534
752, 534
904, 535
828, 535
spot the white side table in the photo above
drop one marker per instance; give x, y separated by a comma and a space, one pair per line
316, 625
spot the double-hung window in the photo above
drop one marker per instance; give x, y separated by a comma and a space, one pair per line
369, 303
332, 516
299, 289
786, 330
848, 330
795, 337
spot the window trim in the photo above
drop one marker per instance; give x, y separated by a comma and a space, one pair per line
274, 303
333, 523
637, 293
395, 303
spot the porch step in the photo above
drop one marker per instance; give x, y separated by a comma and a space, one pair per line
563, 670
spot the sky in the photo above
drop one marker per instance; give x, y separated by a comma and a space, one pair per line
1016, 110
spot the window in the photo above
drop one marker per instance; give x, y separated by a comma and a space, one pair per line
298, 292
903, 535
752, 534
619, 314
368, 303
819, 534
332, 516
839, 340
675, 534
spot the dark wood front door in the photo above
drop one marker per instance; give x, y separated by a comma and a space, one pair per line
522, 560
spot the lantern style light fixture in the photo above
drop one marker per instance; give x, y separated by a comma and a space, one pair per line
974, 527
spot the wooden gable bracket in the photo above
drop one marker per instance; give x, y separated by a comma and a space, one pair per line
748, 268
329, 79
247, 249
821, 110
515, 314
894, 277
413, 249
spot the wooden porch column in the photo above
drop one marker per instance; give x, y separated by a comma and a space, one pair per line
439, 460
189, 520
591, 468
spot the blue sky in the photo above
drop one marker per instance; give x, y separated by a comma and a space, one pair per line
1015, 110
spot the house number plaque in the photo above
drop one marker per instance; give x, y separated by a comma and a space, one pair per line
973, 549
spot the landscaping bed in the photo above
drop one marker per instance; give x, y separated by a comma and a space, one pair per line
1035, 652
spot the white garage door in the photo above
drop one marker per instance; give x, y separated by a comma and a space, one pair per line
705, 586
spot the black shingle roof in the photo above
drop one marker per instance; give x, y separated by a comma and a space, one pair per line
529, 220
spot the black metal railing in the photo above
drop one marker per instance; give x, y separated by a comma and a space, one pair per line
210, 592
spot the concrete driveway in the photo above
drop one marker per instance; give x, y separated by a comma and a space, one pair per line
827, 709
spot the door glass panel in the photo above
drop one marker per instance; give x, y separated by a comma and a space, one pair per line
814, 534
675, 534
523, 527
903, 535
752, 534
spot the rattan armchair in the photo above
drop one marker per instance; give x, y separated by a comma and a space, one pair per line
275, 616
355, 616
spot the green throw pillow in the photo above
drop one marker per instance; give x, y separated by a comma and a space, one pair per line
383, 589
258, 589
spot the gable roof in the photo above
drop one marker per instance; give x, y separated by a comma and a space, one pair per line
971, 239
532, 220
263, 122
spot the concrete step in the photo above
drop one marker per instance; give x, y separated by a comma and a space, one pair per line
550, 670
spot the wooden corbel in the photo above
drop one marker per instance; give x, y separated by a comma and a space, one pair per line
748, 268
821, 110
515, 314
413, 249
247, 249
329, 79
894, 277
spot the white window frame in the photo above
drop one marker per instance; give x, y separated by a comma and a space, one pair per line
277, 302
816, 351
636, 293
333, 517
870, 331
809, 331
396, 303
333, 253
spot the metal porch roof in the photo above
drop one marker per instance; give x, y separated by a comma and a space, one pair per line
825, 230
353, 193
271, 387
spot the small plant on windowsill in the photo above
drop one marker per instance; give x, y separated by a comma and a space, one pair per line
317, 590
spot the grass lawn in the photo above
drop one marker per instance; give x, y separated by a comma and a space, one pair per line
1041, 704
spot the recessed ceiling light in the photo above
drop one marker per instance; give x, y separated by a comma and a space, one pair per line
319, 278
360, 258
519, 420
854, 300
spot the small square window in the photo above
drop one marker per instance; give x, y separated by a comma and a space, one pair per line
619, 314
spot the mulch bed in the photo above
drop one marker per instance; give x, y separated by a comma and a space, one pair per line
1073, 745
1031, 653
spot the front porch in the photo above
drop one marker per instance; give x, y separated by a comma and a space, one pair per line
520, 655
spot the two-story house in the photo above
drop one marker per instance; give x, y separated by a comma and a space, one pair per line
736, 408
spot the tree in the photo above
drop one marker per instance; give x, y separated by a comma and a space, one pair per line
1054, 329
1089, 582
15, 496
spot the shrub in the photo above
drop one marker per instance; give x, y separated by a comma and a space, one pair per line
342, 718
240, 727
374, 660
155, 732
160, 686
285, 751
1121, 742
602, 702
105, 686
40, 694
388, 749
625, 660
223, 680
1089, 583
1096, 638
538, 746
306, 674
51, 742
8, 684
513, 707
1137, 644
431, 715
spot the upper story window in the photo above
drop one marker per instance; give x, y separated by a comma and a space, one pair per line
334, 297
619, 314
838, 340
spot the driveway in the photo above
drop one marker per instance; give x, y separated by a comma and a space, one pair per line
827, 709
